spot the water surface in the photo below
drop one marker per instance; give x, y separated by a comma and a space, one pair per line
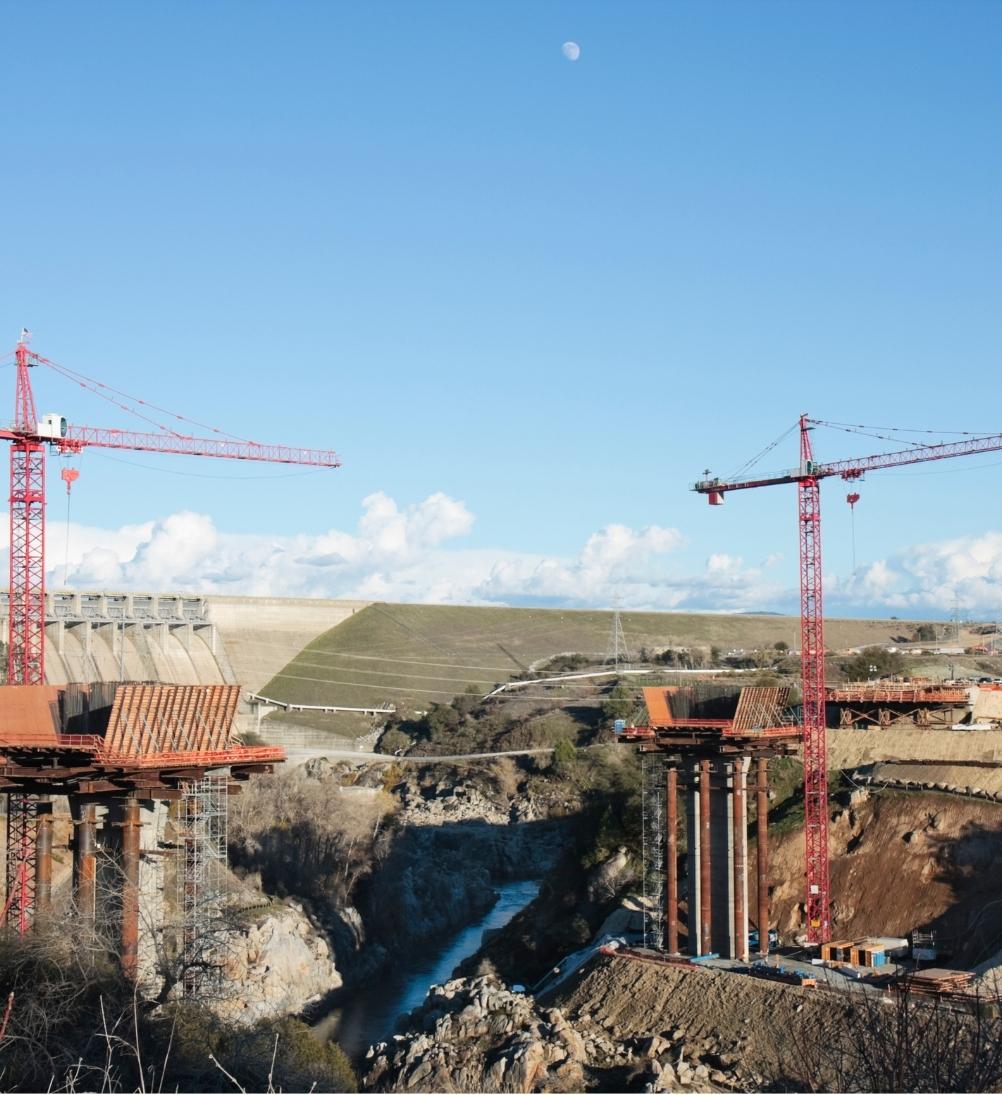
369, 1015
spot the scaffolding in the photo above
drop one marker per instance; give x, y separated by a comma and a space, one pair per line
200, 877
653, 796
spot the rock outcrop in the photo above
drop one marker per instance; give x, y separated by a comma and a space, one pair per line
275, 967
480, 1036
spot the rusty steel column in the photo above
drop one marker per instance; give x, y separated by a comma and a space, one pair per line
671, 862
705, 897
762, 850
740, 843
131, 829
85, 862
43, 858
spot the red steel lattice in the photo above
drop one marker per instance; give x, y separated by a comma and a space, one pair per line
812, 662
22, 821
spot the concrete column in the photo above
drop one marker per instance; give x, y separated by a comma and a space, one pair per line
671, 861
43, 858
693, 859
762, 853
85, 862
722, 861
131, 827
740, 819
705, 897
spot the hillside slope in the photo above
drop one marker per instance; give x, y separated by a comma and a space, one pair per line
415, 655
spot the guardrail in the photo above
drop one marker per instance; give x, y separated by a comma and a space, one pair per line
330, 709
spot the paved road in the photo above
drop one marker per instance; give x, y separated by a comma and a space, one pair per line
299, 755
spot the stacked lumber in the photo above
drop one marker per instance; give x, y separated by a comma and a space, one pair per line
938, 982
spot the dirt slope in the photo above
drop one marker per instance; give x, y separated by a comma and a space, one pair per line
753, 1019
904, 860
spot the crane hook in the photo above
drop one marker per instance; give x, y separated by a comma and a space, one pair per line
69, 476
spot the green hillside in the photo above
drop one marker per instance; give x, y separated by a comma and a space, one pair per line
414, 655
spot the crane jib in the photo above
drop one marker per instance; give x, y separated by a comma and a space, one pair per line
856, 467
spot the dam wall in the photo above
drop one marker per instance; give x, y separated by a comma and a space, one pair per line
261, 635
177, 638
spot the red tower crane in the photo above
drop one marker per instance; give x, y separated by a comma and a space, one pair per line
807, 478
29, 437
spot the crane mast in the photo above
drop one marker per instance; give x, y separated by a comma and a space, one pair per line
812, 669
26, 619
807, 478
29, 438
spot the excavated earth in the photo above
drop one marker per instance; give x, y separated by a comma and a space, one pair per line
905, 860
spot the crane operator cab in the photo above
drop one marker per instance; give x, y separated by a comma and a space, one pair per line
52, 427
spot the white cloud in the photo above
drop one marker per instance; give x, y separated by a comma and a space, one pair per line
927, 578
407, 554
411, 554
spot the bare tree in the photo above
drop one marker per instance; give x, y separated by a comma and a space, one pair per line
899, 1041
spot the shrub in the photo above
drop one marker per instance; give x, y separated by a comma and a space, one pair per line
564, 755
619, 703
873, 661
394, 741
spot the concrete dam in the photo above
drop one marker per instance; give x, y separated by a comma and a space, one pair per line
178, 638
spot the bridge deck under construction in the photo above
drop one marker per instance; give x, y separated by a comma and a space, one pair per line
885, 703
146, 738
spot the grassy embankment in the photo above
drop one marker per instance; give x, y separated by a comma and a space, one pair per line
414, 655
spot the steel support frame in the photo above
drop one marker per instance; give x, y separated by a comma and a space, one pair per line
22, 824
26, 617
812, 661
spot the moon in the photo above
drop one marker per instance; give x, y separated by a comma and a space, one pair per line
571, 50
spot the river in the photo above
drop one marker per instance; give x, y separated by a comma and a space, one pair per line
370, 1015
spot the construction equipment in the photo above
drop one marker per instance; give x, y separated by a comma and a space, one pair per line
807, 479
29, 435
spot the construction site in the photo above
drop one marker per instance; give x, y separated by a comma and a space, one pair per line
129, 721
146, 767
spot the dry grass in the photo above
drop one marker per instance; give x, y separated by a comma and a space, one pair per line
415, 655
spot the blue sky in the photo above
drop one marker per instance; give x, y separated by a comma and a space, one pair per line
551, 292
